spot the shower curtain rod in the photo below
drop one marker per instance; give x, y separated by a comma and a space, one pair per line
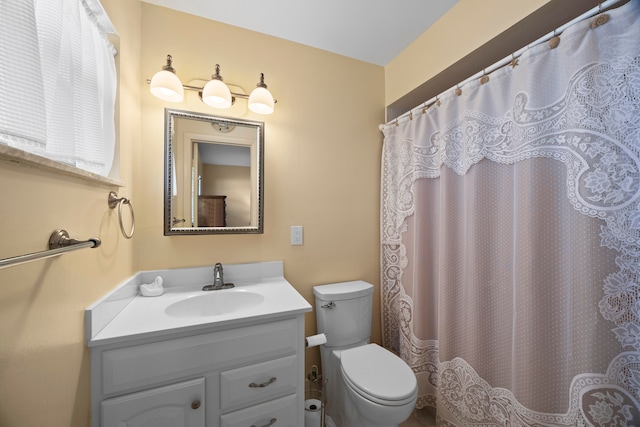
602, 7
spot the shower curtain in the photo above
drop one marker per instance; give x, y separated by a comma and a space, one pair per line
510, 232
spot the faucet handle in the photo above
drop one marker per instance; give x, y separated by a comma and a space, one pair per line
218, 280
218, 275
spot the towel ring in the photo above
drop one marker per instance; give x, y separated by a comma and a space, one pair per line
114, 201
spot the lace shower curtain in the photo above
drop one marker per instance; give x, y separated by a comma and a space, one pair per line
511, 237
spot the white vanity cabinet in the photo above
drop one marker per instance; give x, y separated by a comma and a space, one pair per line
230, 376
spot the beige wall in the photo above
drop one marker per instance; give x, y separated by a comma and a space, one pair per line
44, 363
465, 27
322, 158
322, 153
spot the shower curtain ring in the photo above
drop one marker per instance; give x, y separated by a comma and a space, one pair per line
601, 19
514, 61
485, 78
555, 40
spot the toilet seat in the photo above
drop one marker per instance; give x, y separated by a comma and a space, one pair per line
378, 375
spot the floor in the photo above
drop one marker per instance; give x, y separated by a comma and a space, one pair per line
420, 418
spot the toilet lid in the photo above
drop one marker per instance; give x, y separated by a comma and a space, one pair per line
378, 374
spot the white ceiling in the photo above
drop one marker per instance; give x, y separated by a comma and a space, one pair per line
374, 31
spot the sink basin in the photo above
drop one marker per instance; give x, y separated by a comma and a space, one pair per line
214, 303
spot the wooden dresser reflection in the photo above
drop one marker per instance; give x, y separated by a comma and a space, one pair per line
212, 211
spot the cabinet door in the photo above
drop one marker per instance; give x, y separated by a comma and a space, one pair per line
175, 405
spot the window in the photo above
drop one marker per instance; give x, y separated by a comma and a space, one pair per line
58, 82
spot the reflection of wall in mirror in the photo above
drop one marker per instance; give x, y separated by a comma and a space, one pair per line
235, 183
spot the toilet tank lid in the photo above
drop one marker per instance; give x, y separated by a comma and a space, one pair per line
343, 290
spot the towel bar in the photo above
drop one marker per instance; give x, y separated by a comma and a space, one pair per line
59, 243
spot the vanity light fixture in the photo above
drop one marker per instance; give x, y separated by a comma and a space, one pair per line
167, 86
261, 101
215, 93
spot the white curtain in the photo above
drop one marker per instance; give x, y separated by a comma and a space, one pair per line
58, 81
510, 228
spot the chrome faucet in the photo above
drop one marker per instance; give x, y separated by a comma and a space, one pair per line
218, 280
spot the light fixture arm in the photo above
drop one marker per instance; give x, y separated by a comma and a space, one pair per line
261, 83
168, 67
217, 75
199, 89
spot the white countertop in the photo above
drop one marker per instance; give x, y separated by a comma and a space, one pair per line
140, 317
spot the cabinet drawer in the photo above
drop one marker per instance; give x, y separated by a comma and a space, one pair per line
258, 383
282, 410
143, 365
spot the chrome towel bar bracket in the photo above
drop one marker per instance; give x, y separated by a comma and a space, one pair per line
60, 239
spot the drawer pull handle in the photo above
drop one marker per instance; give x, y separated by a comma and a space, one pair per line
272, 422
271, 381
195, 404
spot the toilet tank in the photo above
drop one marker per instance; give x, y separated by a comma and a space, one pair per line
346, 316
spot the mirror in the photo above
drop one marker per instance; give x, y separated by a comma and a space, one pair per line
213, 174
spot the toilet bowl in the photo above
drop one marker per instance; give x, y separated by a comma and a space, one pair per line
381, 387
367, 385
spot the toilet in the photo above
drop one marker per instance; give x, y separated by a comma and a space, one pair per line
367, 385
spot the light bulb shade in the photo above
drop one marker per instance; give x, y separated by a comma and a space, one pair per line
167, 86
216, 94
261, 101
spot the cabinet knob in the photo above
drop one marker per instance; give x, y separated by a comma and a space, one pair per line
271, 381
272, 422
195, 404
